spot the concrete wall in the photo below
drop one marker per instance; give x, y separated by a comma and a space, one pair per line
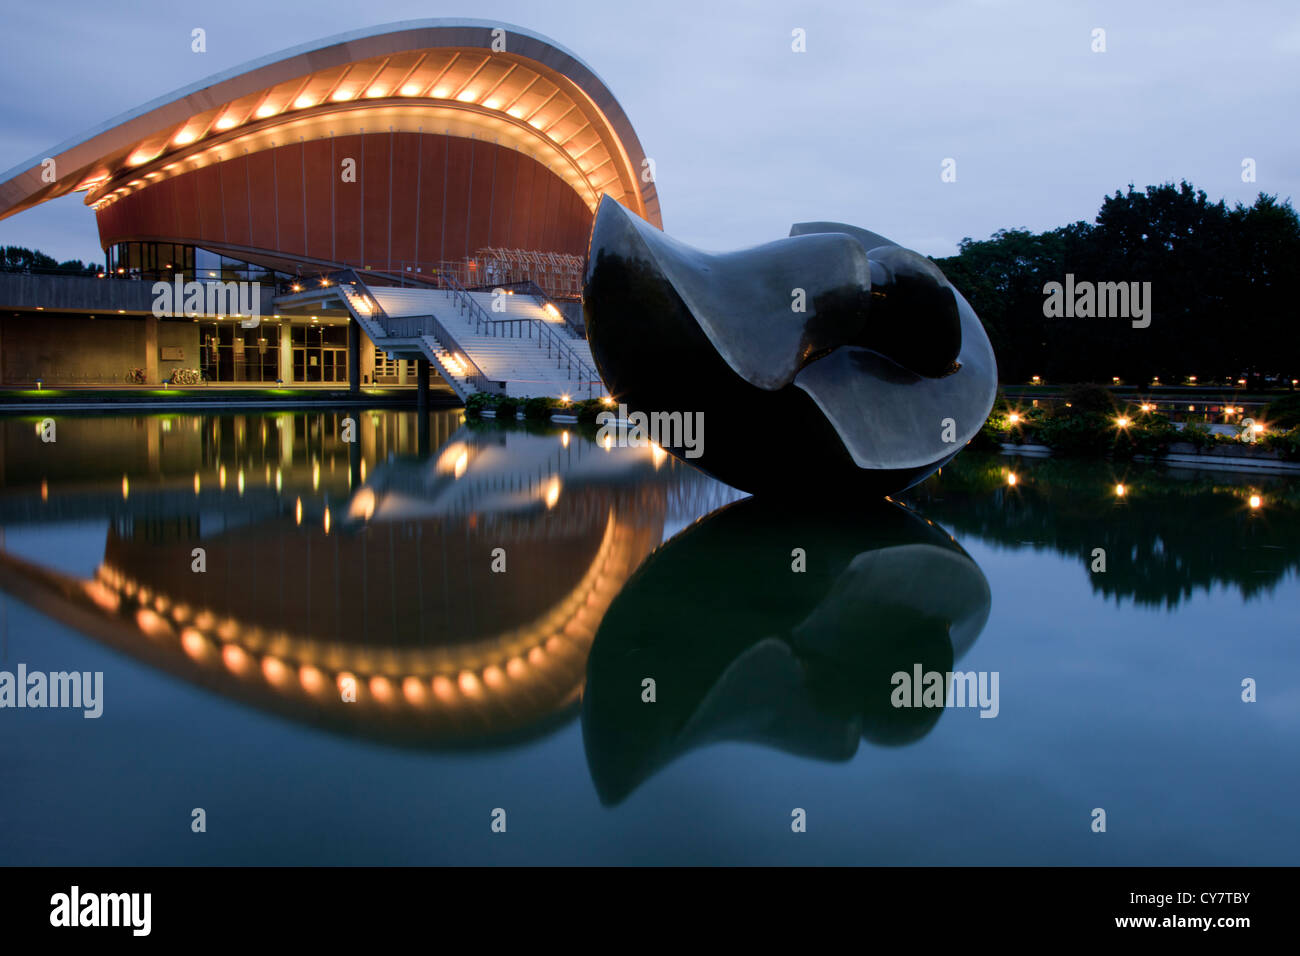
76, 350
21, 291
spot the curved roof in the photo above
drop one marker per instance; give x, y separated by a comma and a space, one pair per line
473, 78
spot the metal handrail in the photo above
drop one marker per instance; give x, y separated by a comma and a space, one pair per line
415, 326
586, 375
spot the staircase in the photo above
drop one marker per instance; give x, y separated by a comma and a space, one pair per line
478, 341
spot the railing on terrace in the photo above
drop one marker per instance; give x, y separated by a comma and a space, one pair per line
545, 336
416, 326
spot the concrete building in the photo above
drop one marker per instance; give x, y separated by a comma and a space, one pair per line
443, 157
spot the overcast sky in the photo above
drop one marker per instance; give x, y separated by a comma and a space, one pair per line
749, 136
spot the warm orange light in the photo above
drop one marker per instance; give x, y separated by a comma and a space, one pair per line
1012, 479
265, 110
441, 92
312, 680
339, 96
552, 492
1120, 491
195, 644
381, 688
410, 89
1256, 501
184, 138
444, 689
493, 104
363, 504
469, 684
235, 659
413, 690
375, 92
275, 671
1014, 418
226, 122
469, 96
1122, 421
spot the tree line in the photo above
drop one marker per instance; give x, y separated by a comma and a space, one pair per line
20, 259
1223, 282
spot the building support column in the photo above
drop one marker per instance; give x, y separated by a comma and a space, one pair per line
422, 385
354, 357
367, 360
151, 349
286, 353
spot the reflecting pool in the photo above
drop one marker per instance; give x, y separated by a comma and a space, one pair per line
367, 637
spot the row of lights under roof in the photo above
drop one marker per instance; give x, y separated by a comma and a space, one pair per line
265, 111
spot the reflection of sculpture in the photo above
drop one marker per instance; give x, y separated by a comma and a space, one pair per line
742, 648
831, 357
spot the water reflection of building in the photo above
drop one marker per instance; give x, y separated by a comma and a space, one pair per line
387, 590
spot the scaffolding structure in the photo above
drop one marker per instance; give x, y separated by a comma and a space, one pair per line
558, 273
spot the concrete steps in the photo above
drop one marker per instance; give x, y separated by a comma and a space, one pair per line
514, 356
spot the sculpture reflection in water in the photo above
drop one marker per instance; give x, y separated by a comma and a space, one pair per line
380, 614
743, 648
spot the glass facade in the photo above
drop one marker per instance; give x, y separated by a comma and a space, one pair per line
151, 260
320, 353
228, 352
154, 261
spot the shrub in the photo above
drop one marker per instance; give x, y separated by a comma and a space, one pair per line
475, 404
1284, 414
1286, 444
540, 407
1080, 433
991, 434
1199, 435
507, 407
588, 410
1087, 399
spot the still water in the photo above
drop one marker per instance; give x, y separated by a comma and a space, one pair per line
502, 600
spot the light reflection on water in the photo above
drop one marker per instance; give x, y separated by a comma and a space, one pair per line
494, 598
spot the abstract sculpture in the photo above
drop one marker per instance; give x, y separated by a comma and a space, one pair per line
742, 649
832, 360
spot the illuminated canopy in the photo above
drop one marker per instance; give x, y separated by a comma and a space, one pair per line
465, 78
